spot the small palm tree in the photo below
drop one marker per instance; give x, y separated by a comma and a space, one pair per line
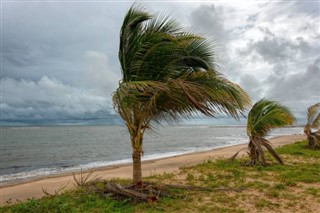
167, 74
264, 116
313, 121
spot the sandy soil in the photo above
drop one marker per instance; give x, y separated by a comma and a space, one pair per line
34, 188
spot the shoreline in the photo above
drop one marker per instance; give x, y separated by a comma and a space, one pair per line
33, 188
106, 167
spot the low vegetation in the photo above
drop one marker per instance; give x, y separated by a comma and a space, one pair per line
213, 186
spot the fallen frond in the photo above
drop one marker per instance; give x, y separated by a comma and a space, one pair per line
85, 178
233, 157
56, 192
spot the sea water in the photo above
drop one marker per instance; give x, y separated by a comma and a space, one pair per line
29, 152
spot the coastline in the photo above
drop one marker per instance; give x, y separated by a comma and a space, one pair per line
33, 188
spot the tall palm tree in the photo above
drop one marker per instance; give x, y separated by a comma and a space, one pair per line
313, 121
264, 116
167, 74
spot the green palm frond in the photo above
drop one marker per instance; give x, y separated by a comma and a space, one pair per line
156, 48
266, 115
183, 97
313, 115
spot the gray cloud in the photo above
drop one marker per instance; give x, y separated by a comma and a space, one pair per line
307, 7
48, 99
278, 50
209, 19
252, 85
299, 90
60, 59
51, 38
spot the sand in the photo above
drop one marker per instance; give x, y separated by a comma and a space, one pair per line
34, 189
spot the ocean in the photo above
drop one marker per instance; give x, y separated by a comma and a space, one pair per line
31, 152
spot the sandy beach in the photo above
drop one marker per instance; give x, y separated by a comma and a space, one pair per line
34, 189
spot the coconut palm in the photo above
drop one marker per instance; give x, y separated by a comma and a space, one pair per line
264, 116
167, 74
313, 121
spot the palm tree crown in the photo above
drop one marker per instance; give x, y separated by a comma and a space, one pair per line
266, 115
168, 74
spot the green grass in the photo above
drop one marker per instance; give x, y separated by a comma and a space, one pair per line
290, 187
75, 201
299, 149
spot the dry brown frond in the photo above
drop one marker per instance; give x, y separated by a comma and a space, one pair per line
85, 178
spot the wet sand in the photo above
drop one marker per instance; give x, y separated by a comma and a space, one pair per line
34, 188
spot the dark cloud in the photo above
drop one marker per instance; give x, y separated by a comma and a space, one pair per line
299, 90
278, 49
52, 38
209, 19
59, 59
50, 99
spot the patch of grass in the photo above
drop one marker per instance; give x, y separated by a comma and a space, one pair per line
279, 186
273, 193
190, 177
298, 149
263, 203
313, 191
76, 201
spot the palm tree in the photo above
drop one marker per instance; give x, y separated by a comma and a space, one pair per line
167, 74
313, 120
264, 116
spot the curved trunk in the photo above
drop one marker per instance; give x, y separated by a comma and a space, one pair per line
256, 153
137, 172
314, 140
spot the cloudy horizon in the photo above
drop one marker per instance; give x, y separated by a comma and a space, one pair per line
60, 65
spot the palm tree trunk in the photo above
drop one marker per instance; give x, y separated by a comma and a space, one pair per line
256, 152
253, 154
137, 172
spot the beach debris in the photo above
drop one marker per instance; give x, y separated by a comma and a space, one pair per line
136, 193
150, 192
233, 157
56, 192
85, 178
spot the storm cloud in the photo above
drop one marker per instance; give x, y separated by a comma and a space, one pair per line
59, 59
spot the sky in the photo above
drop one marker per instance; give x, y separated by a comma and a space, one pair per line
59, 60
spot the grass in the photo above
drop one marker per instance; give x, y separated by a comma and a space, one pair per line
292, 187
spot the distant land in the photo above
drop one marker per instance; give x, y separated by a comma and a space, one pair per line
116, 120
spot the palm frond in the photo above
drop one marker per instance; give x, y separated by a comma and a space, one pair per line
273, 153
313, 115
266, 115
129, 35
